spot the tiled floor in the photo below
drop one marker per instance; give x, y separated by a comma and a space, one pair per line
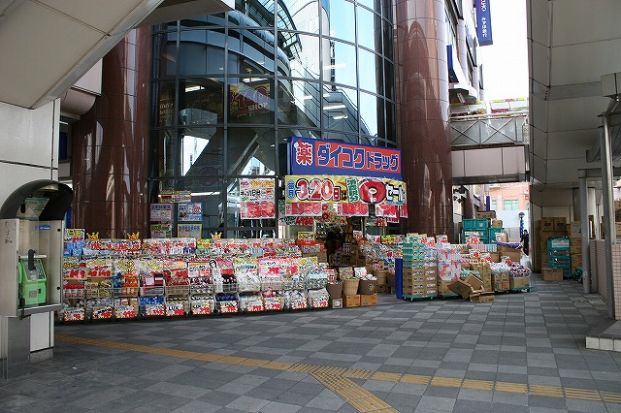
523, 353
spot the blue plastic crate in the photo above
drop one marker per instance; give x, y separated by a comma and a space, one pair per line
492, 234
480, 224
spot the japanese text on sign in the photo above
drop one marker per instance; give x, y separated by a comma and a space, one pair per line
310, 156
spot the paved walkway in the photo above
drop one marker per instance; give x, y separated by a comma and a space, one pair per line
523, 353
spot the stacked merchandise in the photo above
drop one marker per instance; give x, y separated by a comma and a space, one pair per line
484, 270
449, 268
575, 247
479, 228
546, 228
497, 232
366, 286
519, 278
558, 255
177, 277
501, 276
419, 269
380, 261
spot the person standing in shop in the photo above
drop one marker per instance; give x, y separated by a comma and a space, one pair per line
525, 240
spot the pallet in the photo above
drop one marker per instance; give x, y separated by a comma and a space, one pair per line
416, 297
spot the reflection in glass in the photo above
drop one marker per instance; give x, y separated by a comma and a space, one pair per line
391, 128
252, 13
369, 33
201, 52
164, 148
371, 77
298, 102
341, 66
203, 21
389, 84
372, 4
201, 101
388, 40
166, 103
371, 115
298, 15
298, 55
166, 45
201, 151
338, 20
285, 134
251, 51
207, 191
251, 151
340, 109
343, 137
250, 100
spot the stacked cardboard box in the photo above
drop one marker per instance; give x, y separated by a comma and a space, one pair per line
546, 228
485, 274
419, 270
575, 245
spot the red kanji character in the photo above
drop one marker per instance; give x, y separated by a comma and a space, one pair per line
303, 153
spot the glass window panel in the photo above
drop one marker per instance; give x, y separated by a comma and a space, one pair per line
201, 52
340, 108
338, 19
298, 55
250, 100
251, 51
372, 4
298, 102
233, 219
286, 133
391, 126
371, 76
372, 141
207, 191
251, 151
387, 10
369, 27
165, 115
201, 101
201, 151
388, 40
253, 13
203, 21
163, 148
165, 27
340, 66
257, 232
371, 115
166, 44
389, 84
343, 137
298, 15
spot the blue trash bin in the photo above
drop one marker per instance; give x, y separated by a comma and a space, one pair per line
399, 278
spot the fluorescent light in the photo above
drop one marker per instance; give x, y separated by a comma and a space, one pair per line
253, 79
339, 117
307, 97
327, 95
334, 107
205, 193
193, 88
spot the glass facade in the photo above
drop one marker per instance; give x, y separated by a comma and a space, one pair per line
230, 89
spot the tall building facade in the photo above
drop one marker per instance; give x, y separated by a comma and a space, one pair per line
226, 91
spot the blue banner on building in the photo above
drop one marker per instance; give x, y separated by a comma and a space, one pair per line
317, 157
484, 22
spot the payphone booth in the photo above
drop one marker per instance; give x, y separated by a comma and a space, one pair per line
31, 253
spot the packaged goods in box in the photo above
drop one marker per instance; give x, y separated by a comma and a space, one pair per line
574, 229
496, 223
335, 289
367, 300
444, 290
336, 303
552, 274
351, 300
382, 289
471, 285
501, 276
486, 214
514, 256
560, 224
547, 225
366, 287
518, 283
485, 274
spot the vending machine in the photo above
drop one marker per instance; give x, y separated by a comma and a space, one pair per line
31, 253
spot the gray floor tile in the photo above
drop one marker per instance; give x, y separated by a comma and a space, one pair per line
276, 407
472, 406
326, 400
248, 404
436, 403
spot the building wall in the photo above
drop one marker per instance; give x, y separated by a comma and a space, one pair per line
28, 145
423, 113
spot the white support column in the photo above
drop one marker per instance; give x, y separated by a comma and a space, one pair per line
609, 216
584, 232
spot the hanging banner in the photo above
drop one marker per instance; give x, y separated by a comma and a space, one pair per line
172, 197
191, 211
312, 156
343, 189
484, 22
257, 198
189, 231
161, 212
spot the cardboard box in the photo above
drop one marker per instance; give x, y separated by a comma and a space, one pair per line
574, 229
444, 290
336, 303
518, 283
496, 223
367, 300
546, 225
485, 274
486, 214
351, 301
552, 274
502, 282
367, 287
470, 286
382, 289
482, 298
495, 256
514, 256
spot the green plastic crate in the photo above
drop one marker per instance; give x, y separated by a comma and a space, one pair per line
492, 234
479, 224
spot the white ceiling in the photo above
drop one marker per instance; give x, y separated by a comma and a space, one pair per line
572, 43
